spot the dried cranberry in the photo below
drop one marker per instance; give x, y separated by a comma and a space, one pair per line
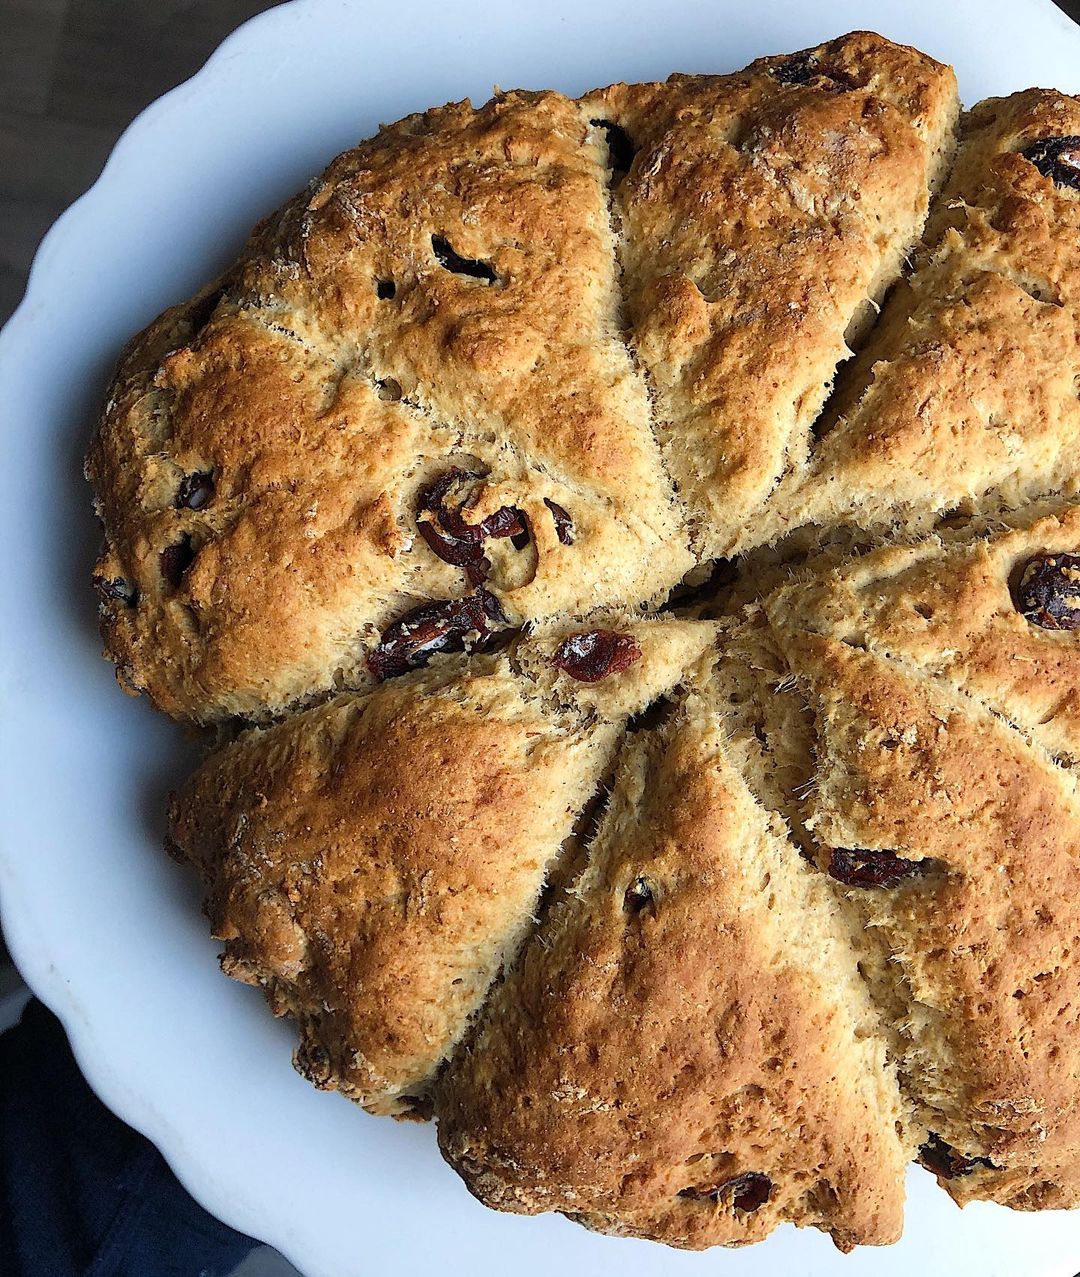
805, 67
449, 260
457, 542
453, 539
195, 490
620, 145
941, 1158
1057, 158
176, 559
116, 588
414, 638
861, 868
746, 1192
749, 1191
564, 525
638, 896
1048, 594
594, 655
507, 521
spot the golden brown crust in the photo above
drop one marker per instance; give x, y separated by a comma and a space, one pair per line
372, 862
981, 940
830, 911
447, 296
950, 608
322, 410
1015, 217
665, 1035
330, 873
965, 398
765, 215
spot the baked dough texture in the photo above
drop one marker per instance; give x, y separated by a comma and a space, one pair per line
629, 549
372, 862
481, 291
965, 398
764, 218
669, 1051
322, 410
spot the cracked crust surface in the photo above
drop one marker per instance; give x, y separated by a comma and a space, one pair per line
448, 296
663, 1043
966, 397
372, 862
976, 945
763, 219
321, 410
825, 915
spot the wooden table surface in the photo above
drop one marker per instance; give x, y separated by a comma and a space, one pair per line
73, 74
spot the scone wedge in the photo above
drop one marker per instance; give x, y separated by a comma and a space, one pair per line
372, 863
941, 681
966, 397
957, 840
685, 1050
410, 392
763, 218
992, 615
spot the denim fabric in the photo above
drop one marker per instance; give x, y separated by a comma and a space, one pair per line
81, 1194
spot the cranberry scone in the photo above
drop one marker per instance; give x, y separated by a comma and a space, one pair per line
412, 412
684, 925
372, 862
991, 616
958, 841
685, 1050
410, 392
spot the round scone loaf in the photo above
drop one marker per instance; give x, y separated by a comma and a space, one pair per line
631, 547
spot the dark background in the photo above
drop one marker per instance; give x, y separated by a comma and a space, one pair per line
73, 75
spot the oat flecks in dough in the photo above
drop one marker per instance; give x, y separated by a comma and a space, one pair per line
966, 397
976, 954
669, 1058
372, 862
684, 928
323, 402
763, 219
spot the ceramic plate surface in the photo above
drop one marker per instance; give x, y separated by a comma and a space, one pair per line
106, 930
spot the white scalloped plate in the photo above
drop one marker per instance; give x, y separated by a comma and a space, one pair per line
105, 929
